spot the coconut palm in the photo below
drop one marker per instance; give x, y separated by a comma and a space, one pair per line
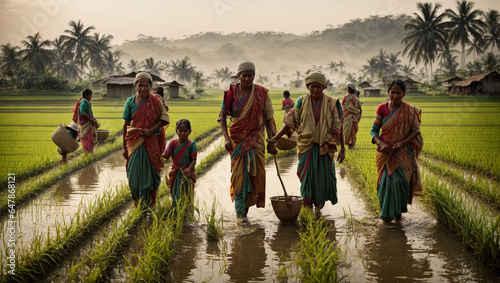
492, 37
198, 80
491, 62
476, 47
98, 51
111, 61
63, 66
36, 54
370, 68
394, 63
381, 62
134, 65
10, 60
445, 51
332, 67
153, 67
182, 70
425, 34
408, 70
341, 67
466, 26
77, 42
449, 66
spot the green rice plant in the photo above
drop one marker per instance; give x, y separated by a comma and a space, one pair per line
42, 254
482, 187
214, 223
203, 166
95, 267
153, 261
318, 256
472, 222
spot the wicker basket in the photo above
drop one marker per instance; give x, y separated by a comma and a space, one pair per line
102, 135
286, 211
287, 143
63, 140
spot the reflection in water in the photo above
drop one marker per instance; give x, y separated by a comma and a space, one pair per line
342, 172
184, 260
390, 257
284, 239
244, 247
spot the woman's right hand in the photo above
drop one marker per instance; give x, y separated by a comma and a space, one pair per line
125, 153
229, 145
384, 147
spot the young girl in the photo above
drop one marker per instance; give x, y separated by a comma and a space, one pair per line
183, 152
287, 103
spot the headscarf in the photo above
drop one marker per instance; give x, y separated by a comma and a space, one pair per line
316, 77
351, 86
74, 126
246, 66
143, 75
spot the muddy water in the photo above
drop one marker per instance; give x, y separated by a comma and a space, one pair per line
415, 249
62, 201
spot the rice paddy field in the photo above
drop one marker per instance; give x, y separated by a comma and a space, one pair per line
70, 227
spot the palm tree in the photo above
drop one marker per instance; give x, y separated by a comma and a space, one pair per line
35, 54
134, 65
464, 25
370, 68
98, 51
394, 63
491, 62
332, 66
78, 42
341, 66
198, 80
381, 62
408, 70
492, 37
425, 34
10, 60
183, 70
450, 66
111, 61
445, 51
63, 66
153, 67
476, 47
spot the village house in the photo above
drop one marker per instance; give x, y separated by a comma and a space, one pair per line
121, 86
479, 84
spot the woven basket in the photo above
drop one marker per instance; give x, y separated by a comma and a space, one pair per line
63, 140
287, 143
286, 211
102, 135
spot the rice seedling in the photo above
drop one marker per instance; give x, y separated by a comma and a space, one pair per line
473, 223
96, 265
42, 254
214, 223
153, 261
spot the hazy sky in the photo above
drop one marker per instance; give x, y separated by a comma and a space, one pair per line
125, 19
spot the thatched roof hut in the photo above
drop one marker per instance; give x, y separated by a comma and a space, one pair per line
120, 86
450, 82
364, 84
173, 88
372, 91
411, 85
479, 84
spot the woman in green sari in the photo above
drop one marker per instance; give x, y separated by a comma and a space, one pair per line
317, 119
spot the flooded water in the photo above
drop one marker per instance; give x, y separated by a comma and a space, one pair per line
414, 249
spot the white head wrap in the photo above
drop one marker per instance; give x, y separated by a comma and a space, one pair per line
246, 66
143, 75
351, 86
74, 126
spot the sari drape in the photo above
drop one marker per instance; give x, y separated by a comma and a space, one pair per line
145, 154
88, 132
182, 155
399, 174
248, 174
319, 129
352, 109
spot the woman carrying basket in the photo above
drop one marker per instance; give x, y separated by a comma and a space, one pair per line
83, 116
317, 119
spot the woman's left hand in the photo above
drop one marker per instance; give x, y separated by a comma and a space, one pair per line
398, 146
341, 156
186, 172
146, 133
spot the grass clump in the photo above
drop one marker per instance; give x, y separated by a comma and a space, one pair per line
214, 223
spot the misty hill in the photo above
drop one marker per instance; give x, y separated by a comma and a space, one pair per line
277, 53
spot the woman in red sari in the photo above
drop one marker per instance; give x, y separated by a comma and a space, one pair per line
144, 140
84, 118
250, 109
396, 131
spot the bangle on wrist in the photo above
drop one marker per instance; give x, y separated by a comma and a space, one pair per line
271, 140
